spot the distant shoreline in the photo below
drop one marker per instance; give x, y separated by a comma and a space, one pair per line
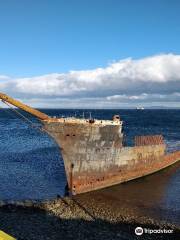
146, 108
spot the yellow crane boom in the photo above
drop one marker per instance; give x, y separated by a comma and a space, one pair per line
5, 98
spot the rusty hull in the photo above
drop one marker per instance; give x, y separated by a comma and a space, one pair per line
94, 156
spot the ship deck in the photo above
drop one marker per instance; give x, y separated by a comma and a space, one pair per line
74, 120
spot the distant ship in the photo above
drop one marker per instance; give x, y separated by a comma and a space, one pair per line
93, 151
139, 108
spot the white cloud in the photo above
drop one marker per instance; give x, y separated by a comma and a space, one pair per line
129, 80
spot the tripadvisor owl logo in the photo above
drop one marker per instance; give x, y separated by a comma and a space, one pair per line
139, 231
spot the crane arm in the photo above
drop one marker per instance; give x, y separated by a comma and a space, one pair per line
16, 103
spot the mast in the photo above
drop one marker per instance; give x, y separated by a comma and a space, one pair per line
5, 98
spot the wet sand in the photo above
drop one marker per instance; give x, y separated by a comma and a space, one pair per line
111, 213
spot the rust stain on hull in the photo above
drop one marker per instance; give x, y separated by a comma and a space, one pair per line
148, 140
114, 176
99, 158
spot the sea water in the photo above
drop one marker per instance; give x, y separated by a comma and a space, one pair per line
31, 165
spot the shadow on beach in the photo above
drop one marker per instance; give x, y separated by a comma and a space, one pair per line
34, 222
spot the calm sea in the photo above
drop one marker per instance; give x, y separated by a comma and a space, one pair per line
31, 166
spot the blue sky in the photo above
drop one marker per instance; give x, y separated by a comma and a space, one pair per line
46, 37
39, 37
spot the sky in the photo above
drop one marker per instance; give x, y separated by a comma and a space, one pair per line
91, 54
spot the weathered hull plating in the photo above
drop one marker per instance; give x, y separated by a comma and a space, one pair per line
94, 156
114, 175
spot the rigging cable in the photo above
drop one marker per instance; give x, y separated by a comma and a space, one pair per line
26, 120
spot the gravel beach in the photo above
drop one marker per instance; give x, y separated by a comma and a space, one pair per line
82, 217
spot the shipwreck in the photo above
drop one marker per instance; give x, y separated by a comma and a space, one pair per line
93, 151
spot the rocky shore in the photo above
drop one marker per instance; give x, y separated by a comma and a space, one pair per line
81, 217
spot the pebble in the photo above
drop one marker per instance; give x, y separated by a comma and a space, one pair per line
76, 218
